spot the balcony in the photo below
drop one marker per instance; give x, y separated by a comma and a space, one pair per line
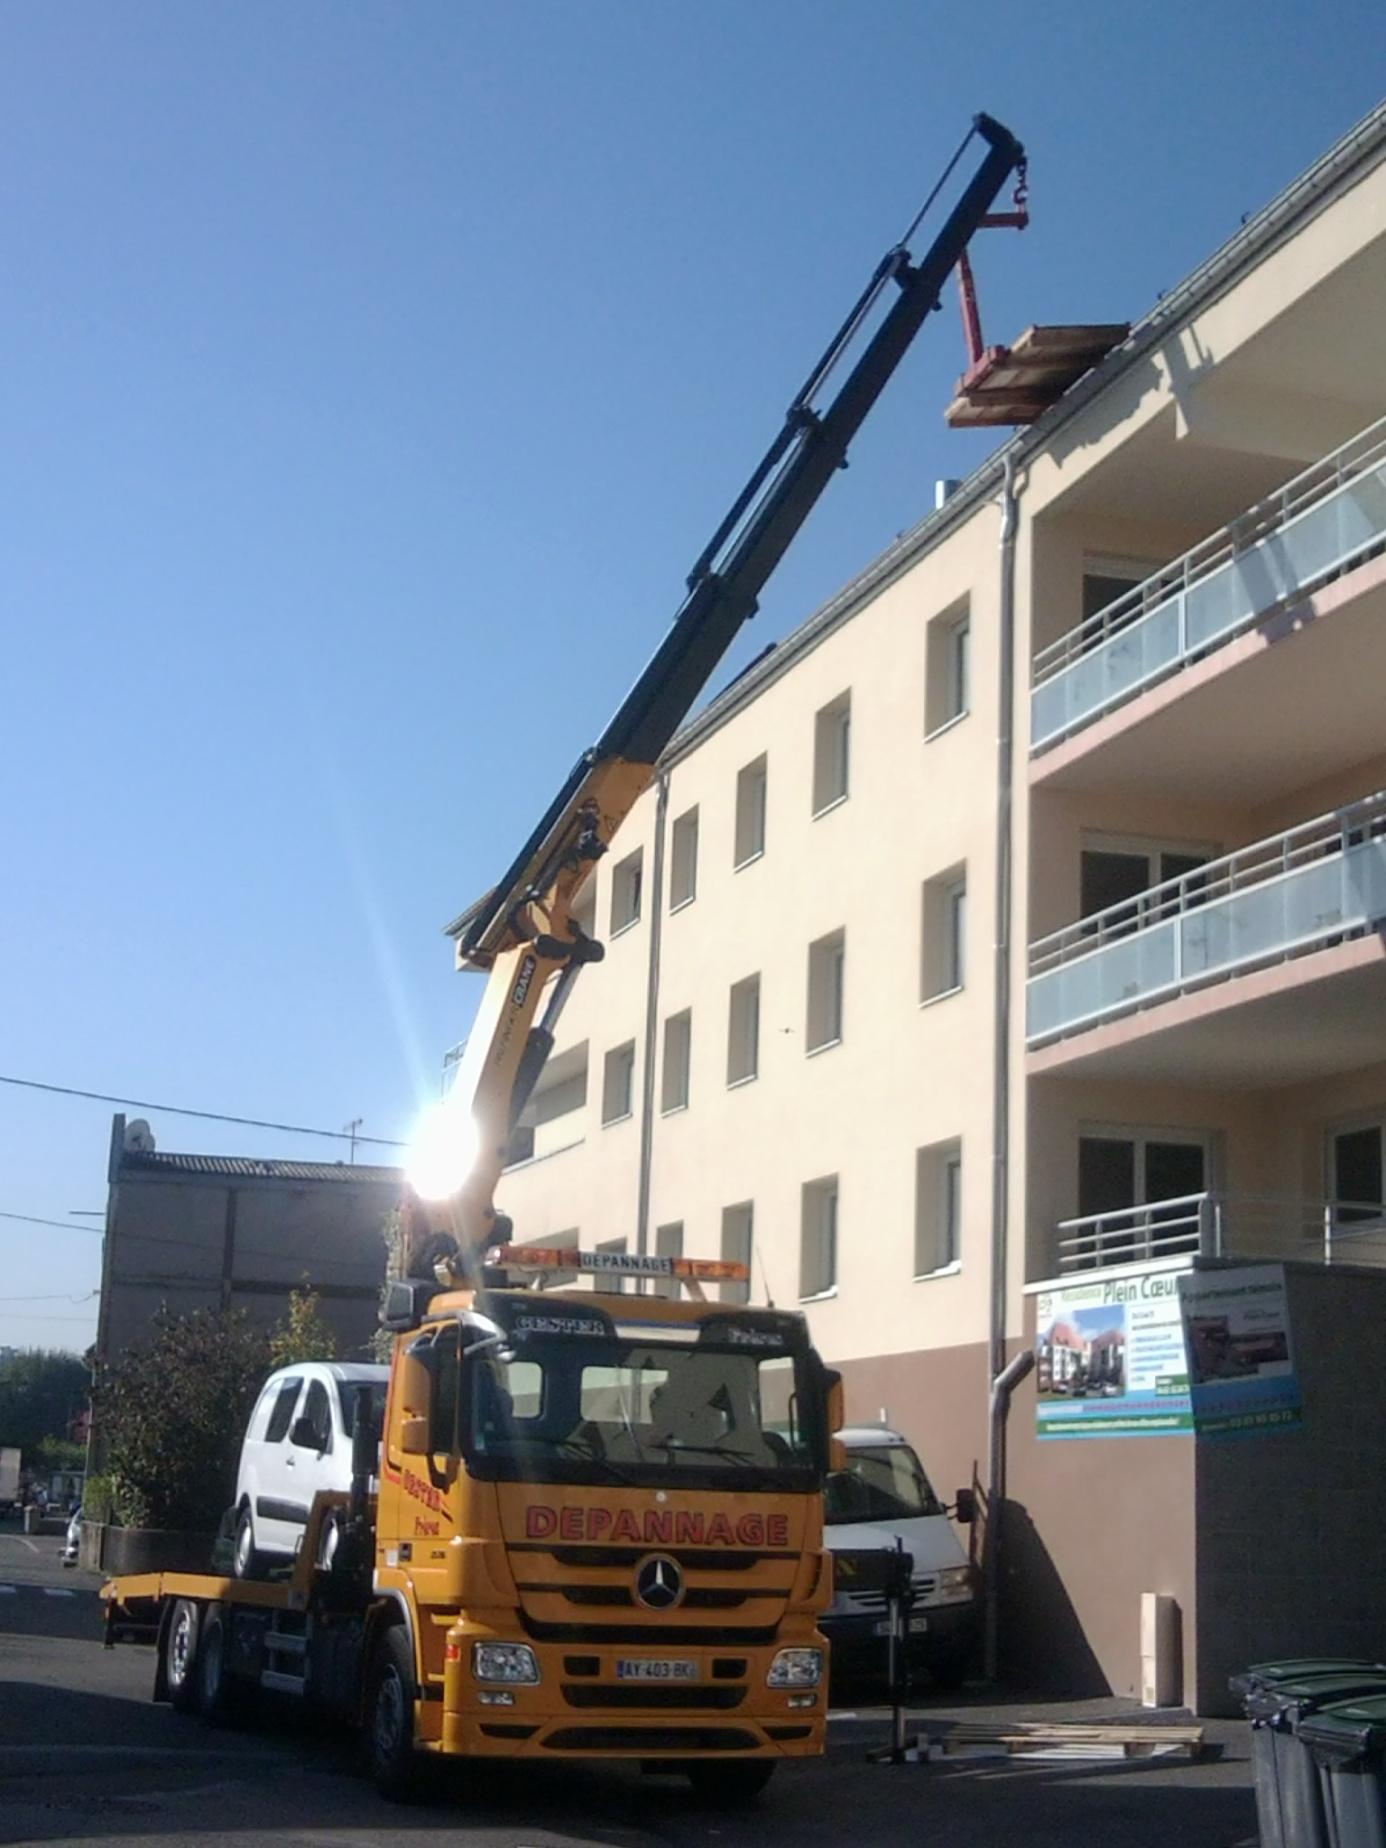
1315, 886
1324, 522
1211, 1225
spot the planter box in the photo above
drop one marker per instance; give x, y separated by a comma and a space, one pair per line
124, 1551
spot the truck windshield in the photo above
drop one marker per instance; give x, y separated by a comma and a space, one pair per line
645, 1413
885, 1483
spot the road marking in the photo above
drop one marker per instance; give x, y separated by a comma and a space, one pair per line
58, 1591
22, 1541
9, 1591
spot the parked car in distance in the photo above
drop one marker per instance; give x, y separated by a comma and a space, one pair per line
72, 1540
298, 1442
884, 1495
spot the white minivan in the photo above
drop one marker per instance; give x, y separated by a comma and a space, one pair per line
298, 1441
883, 1495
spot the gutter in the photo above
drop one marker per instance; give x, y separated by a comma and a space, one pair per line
1002, 1386
647, 1074
1001, 950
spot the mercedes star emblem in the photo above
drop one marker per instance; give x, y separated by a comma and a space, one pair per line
658, 1582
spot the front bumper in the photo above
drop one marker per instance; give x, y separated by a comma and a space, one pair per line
582, 1708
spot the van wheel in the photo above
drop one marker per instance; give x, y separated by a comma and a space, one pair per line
247, 1562
180, 1657
220, 1695
389, 1732
727, 1783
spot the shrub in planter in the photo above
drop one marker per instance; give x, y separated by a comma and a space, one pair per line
172, 1413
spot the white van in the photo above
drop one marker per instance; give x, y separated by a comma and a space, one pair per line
298, 1441
883, 1495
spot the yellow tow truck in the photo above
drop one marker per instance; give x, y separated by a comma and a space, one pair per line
590, 1525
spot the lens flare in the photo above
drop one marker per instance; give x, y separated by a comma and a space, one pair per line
443, 1150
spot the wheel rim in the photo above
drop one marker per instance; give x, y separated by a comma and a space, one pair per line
245, 1543
327, 1546
388, 1729
180, 1648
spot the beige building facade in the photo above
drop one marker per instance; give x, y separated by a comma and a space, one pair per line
1035, 883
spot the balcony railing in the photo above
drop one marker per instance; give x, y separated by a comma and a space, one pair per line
1320, 523
1298, 891
1211, 1225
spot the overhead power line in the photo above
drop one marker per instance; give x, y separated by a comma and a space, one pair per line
207, 1116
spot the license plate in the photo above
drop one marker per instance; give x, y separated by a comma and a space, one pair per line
916, 1626
660, 1668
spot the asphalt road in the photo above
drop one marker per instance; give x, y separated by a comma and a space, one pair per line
85, 1757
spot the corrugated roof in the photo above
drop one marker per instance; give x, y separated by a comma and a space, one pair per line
249, 1168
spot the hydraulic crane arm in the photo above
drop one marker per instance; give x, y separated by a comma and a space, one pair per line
522, 931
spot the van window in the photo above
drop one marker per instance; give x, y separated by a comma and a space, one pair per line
885, 1483
319, 1415
282, 1415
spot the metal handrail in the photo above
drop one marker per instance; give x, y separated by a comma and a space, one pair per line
1313, 485
1256, 864
1212, 1225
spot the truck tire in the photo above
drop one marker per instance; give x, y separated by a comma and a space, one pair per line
246, 1559
180, 1656
728, 1783
389, 1729
220, 1697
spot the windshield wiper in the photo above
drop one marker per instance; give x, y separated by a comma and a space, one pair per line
713, 1450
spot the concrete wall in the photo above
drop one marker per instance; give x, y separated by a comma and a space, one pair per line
1292, 1526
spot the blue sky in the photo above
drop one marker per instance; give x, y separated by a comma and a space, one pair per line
373, 375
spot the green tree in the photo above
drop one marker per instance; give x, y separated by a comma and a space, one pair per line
41, 1392
172, 1414
302, 1333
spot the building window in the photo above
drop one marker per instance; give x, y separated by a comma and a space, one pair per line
826, 969
832, 742
750, 811
937, 1208
947, 665
669, 1244
610, 1285
944, 930
683, 859
818, 1237
743, 1031
678, 1036
1355, 1174
1117, 874
1125, 1175
738, 1223
625, 891
618, 1083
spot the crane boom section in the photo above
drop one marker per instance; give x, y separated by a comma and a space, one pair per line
522, 931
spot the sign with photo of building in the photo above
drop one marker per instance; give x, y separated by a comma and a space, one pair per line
1241, 1365
1110, 1360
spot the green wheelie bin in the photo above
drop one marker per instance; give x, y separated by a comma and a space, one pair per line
1347, 1744
1277, 1696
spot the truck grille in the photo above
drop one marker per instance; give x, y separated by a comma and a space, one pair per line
640, 1741
876, 1600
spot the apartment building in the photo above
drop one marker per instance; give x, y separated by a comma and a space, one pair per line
1019, 918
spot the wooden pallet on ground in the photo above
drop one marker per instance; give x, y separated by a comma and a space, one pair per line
954, 1738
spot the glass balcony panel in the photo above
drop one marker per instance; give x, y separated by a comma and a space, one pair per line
1294, 893
1317, 525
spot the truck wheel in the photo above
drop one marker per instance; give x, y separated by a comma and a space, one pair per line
389, 1731
180, 1657
246, 1560
727, 1783
220, 1695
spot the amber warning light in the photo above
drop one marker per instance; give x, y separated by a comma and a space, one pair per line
621, 1263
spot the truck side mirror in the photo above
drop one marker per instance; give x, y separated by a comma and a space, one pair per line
837, 1455
965, 1507
413, 1436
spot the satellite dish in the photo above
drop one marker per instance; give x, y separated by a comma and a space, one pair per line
139, 1138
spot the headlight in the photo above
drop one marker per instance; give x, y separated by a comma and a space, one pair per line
504, 1662
954, 1579
796, 1668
